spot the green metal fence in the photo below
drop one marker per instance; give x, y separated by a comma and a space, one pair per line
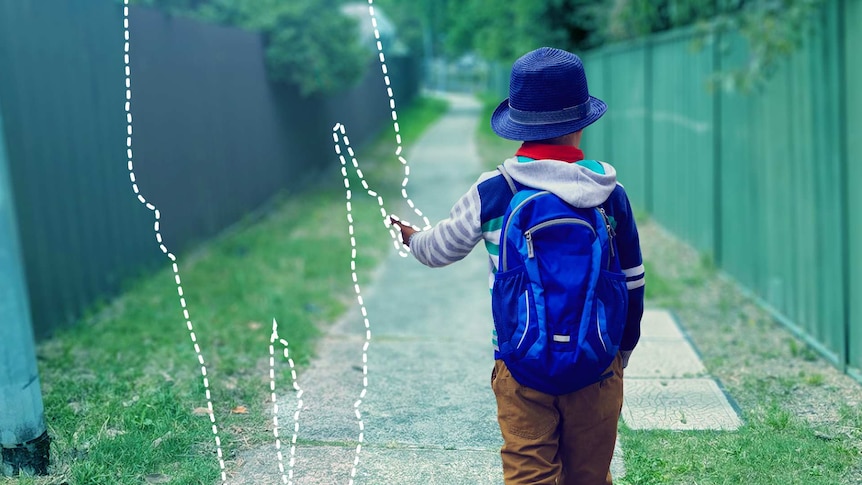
852, 222
764, 182
619, 69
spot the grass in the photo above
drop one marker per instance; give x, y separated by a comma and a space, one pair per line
772, 449
122, 389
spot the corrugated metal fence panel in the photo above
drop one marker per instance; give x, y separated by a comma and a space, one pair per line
594, 142
213, 139
803, 270
853, 65
740, 188
817, 300
625, 76
209, 144
62, 92
682, 134
780, 161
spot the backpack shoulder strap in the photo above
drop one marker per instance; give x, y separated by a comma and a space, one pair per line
508, 178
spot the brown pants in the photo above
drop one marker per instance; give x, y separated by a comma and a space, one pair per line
563, 440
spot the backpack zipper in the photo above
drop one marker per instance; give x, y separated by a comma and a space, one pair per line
528, 234
611, 232
505, 264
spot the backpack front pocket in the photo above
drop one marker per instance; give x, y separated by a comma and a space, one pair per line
514, 314
612, 300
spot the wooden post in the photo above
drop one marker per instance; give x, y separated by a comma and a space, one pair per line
24, 439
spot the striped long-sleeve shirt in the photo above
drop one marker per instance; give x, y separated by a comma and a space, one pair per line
478, 215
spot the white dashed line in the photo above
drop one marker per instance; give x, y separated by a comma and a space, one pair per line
339, 137
285, 478
164, 249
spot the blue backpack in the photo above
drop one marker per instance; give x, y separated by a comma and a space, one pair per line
559, 298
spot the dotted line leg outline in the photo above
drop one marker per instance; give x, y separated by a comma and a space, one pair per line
164, 249
285, 478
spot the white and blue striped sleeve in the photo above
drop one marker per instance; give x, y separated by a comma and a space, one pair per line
453, 238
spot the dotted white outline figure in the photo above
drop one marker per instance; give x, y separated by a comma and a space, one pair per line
164, 249
288, 479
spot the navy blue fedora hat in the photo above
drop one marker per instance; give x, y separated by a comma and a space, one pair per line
548, 97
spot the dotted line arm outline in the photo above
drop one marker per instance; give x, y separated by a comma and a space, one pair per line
164, 249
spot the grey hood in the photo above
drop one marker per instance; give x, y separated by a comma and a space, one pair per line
576, 184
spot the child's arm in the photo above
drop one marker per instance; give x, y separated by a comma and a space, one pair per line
451, 239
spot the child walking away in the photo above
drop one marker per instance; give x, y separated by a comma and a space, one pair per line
567, 279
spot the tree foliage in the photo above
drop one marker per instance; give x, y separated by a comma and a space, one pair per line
309, 43
773, 29
503, 31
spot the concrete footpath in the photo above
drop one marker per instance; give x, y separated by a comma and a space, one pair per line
429, 415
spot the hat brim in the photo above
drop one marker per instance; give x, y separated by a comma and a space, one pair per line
503, 125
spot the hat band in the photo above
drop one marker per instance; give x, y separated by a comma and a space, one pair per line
572, 113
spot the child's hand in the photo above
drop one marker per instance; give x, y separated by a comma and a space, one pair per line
406, 230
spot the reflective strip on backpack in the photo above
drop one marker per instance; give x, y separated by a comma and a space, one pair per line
527, 325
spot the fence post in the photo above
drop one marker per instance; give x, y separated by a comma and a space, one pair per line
846, 177
649, 176
717, 138
23, 437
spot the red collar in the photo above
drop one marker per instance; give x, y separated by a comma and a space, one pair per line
541, 151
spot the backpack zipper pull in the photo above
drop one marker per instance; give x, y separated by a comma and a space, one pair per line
529, 236
611, 232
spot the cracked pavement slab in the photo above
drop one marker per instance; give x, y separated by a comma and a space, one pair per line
667, 386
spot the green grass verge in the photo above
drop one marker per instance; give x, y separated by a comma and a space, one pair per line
121, 387
773, 447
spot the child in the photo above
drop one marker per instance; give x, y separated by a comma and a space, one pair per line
567, 439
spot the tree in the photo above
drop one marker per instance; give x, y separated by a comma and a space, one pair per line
422, 24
